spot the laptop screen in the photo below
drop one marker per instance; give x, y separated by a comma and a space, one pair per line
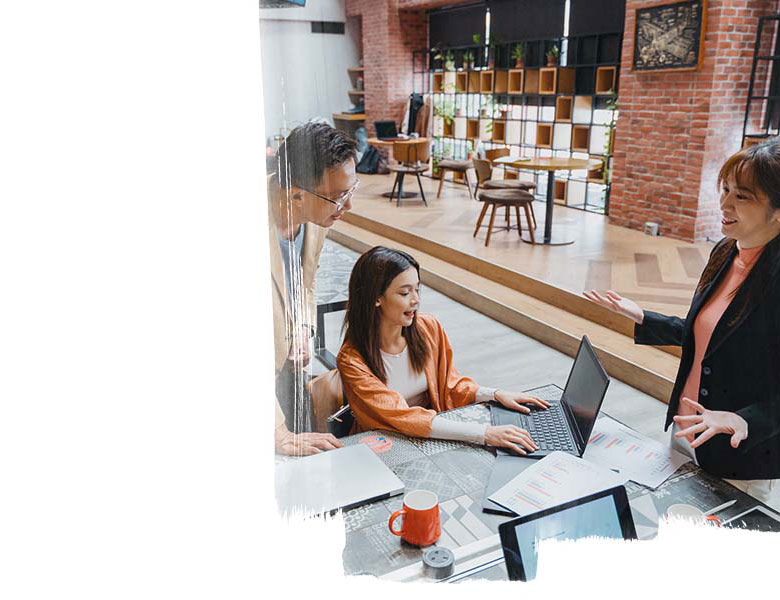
585, 388
385, 129
604, 514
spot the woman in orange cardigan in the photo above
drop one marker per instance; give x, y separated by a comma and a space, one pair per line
396, 365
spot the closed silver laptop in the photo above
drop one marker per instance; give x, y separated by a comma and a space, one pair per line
342, 478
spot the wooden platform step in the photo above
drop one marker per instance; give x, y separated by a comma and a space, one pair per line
645, 368
525, 284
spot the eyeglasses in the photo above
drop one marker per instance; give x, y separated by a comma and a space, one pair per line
341, 200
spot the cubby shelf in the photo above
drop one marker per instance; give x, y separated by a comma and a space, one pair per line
560, 189
472, 129
515, 81
461, 82
596, 176
605, 80
534, 109
580, 138
486, 82
554, 80
499, 131
501, 82
531, 83
563, 109
544, 135
437, 83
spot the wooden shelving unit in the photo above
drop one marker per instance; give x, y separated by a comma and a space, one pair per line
560, 190
515, 81
501, 82
580, 138
531, 84
472, 129
535, 110
461, 82
486, 82
605, 79
564, 106
437, 85
544, 135
499, 131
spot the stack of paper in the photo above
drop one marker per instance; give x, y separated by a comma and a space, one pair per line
639, 458
554, 480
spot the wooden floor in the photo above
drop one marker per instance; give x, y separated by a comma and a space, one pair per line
659, 273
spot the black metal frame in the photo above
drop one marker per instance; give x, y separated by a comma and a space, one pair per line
584, 53
772, 100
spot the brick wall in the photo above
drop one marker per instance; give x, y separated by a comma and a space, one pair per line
390, 37
675, 129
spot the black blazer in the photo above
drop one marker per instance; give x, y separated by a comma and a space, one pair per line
740, 373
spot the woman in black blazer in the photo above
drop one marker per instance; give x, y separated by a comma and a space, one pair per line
730, 365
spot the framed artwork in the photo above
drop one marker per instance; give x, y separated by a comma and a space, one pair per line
670, 36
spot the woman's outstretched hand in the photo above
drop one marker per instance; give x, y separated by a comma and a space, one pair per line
709, 423
615, 303
510, 436
516, 400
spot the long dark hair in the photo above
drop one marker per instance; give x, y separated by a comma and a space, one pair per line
754, 167
372, 274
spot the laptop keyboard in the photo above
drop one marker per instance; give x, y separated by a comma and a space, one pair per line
548, 428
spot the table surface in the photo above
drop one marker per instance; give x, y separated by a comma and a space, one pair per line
350, 116
375, 141
549, 164
458, 473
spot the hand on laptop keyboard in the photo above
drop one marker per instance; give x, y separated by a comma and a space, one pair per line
511, 437
518, 400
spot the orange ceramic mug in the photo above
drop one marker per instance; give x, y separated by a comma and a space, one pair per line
420, 525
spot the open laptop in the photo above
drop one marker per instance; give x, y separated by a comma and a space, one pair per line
386, 130
603, 514
567, 424
342, 478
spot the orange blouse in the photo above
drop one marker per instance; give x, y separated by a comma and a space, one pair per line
378, 407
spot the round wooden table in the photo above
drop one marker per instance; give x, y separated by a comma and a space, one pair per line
375, 141
551, 165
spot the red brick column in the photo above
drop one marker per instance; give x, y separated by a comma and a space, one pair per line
390, 37
676, 129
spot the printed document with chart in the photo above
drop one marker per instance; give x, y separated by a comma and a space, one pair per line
554, 480
639, 458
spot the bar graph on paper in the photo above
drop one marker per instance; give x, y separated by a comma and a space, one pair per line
641, 459
555, 479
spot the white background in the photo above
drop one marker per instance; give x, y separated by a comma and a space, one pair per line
135, 364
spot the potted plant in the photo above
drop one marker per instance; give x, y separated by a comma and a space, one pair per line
552, 56
445, 110
468, 60
517, 55
503, 112
470, 152
449, 61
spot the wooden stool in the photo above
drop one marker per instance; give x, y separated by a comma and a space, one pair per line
456, 166
484, 173
507, 198
412, 157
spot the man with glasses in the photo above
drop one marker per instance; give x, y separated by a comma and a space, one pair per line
311, 189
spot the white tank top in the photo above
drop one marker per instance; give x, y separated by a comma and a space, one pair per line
402, 379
